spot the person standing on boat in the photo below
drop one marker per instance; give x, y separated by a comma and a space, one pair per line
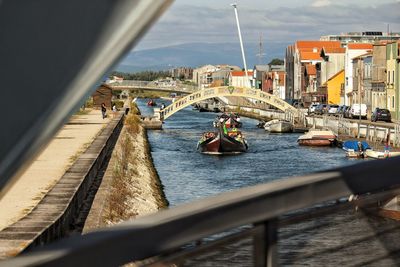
387, 146
360, 149
225, 129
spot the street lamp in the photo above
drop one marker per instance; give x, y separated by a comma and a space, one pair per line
234, 5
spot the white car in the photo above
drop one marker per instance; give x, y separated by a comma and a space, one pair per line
356, 109
311, 109
332, 109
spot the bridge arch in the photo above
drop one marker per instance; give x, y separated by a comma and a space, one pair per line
208, 93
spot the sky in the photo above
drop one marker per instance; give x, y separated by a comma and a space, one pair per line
283, 21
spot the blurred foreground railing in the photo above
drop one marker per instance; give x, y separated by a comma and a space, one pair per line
293, 221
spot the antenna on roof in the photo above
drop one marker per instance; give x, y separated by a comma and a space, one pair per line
260, 54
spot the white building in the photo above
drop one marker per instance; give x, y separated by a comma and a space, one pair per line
352, 51
238, 78
202, 76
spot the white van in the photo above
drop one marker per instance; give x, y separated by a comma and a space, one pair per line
355, 111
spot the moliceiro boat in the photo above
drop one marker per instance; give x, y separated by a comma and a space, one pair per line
222, 142
278, 126
317, 138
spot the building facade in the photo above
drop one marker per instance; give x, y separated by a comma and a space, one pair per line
392, 78
352, 51
238, 78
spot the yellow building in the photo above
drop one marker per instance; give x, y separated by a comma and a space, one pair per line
335, 86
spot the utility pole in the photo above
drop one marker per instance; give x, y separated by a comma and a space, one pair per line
260, 54
241, 43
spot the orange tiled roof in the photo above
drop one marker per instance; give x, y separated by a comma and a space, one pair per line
311, 70
310, 56
317, 44
359, 46
241, 73
334, 50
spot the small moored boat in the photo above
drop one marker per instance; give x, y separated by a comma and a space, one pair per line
151, 103
355, 149
380, 154
279, 126
317, 138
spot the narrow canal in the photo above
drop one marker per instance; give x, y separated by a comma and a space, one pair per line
187, 174
331, 240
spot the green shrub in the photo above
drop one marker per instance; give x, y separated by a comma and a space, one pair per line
118, 103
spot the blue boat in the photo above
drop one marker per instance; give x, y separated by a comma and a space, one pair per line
353, 145
353, 150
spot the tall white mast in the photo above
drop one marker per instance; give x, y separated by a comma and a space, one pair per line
241, 44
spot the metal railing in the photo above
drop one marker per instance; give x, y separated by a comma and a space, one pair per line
181, 233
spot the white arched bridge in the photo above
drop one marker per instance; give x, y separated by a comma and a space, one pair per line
213, 92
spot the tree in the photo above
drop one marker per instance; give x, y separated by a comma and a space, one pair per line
141, 76
276, 61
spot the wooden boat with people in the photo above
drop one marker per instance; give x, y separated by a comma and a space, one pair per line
222, 142
317, 138
230, 120
278, 126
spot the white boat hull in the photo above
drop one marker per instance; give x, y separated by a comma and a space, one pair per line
278, 126
380, 154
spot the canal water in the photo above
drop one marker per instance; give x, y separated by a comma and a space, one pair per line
335, 239
187, 174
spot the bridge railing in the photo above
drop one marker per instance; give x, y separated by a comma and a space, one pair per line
251, 223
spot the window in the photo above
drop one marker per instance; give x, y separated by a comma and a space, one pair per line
392, 76
393, 102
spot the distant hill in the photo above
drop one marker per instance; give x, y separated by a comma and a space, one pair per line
197, 54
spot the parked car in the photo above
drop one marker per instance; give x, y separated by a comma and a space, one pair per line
320, 109
341, 110
332, 109
381, 114
357, 109
346, 112
311, 108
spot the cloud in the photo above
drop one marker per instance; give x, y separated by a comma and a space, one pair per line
187, 24
321, 3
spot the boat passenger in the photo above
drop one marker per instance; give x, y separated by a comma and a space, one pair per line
360, 149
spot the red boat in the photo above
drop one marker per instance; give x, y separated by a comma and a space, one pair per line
317, 138
219, 142
151, 103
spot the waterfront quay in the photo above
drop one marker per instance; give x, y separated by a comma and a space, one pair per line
71, 187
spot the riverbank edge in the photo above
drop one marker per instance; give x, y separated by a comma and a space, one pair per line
97, 217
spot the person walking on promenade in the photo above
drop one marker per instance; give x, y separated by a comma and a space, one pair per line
114, 110
103, 110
